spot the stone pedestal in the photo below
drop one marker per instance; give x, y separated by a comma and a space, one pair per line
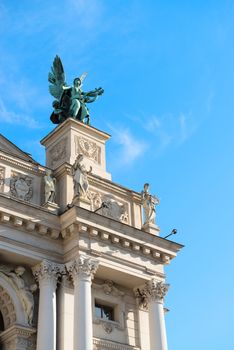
82, 202
64, 144
71, 138
18, 338
52, 207
151, 228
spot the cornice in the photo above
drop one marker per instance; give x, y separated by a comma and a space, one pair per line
155, 249
28, 225
21, 202
31, 167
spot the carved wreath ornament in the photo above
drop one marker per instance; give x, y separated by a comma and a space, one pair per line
89, 149
21, 187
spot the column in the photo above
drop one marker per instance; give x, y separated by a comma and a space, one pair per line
82, 271
154, 293
46, 274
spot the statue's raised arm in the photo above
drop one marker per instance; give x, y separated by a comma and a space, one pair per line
70, 101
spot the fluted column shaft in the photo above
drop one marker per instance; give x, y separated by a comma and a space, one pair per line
46, 274
82, 270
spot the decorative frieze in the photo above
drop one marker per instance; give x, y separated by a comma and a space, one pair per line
108, 206
88, 148
58, 152
21, 186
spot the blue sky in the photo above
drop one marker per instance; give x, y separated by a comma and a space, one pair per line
167, 68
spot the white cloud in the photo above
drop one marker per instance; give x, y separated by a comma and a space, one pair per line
169, 129
11, 117
130, 147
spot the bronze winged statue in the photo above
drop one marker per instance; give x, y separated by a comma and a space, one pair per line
70, 101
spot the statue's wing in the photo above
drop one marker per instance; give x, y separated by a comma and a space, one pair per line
57, 78
83, 76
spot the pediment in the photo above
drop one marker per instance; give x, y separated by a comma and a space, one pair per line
8, 147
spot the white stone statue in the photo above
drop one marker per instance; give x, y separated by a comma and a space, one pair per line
25, 292
50, 187
149, 202
80, 177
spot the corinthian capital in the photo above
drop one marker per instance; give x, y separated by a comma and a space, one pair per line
155, 290
82, 267
47, 271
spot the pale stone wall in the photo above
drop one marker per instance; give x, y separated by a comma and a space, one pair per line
79, 251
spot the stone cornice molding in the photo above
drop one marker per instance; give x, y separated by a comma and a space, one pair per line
127, 243
82, 267
38, 170
48, 271
27, 224
19, 337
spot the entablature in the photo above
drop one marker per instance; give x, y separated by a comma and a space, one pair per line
106, 232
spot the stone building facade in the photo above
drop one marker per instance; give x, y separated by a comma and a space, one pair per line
78, 272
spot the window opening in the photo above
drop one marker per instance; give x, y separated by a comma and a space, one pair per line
105, 312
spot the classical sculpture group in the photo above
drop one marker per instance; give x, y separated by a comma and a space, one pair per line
70, 101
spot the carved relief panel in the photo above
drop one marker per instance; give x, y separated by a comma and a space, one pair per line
88, 148
21, 186
58, 152
107, 205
